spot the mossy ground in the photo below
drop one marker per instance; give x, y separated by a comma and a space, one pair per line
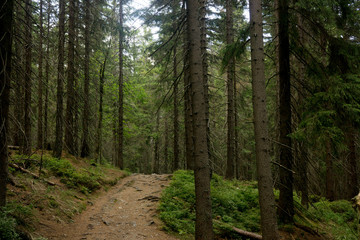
31, 201
235, 204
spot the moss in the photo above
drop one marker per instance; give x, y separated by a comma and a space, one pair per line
235, 204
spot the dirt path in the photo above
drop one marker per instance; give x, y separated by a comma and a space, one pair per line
127, 211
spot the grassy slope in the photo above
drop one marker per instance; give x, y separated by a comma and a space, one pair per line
31, 201
235, 203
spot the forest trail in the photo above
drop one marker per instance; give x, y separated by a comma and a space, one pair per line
127, 211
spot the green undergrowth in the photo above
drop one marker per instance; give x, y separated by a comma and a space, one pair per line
235, 204
30, 199
338, 220
86, 179
13, 215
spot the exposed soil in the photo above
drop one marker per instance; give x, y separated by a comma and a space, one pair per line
127, 211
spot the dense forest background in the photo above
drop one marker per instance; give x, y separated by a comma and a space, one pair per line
87, 79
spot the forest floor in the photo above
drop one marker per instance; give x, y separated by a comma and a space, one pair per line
128, 210
83, 200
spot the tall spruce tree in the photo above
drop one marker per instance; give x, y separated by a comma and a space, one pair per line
60, 83
85, 148
230, 79
203, 224
6, 13
28, 75
120, 160
286, 205
265, 183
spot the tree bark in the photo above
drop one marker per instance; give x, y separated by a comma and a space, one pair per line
120, 160
265, 183
230, 166
203, 224
301, 151
99, 129
189, 144
85, 148
286, 202
176, 116
18, 79
157, 154
330, 185
352, 180
6, 13
28, 71
60, 83
204, 54
77, 99
47, 71
166, 145
40, 122
70, 102
236, 152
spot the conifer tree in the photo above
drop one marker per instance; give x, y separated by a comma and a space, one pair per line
6, 13
266, 195
60, 83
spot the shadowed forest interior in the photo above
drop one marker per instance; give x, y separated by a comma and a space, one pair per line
252, 107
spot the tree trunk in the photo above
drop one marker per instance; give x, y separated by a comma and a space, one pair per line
157, 154
237, 158
352, 180
120, 160
203, 224
115, 136
77, 99
47, 71
166, 145
302, 151
189, 144
6, 13
286, 202
40, 122
99, 129
176, 116
330, 185
70, 103
60, 83
18, 81
204, 54
230, 166
27, 100
85, 148
265, 183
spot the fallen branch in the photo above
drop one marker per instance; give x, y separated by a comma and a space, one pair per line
244, 233
150, 198
30, 173
13, 147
